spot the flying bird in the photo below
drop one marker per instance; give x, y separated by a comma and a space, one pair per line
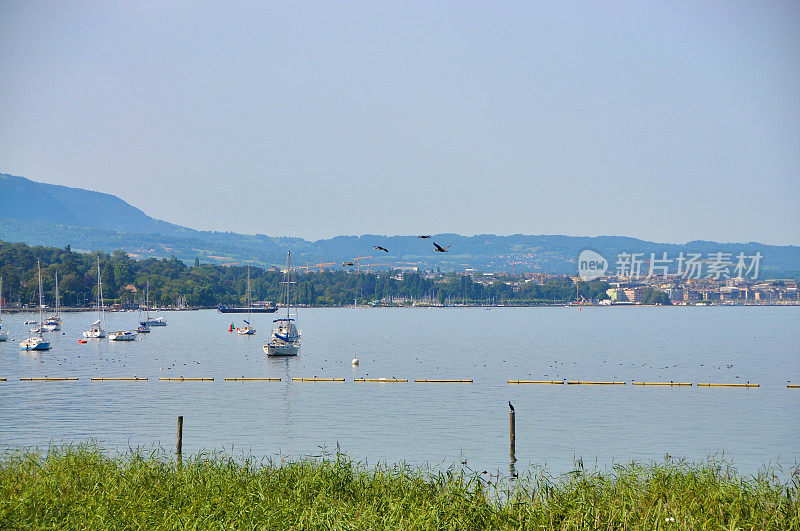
347, 264
439, 248
423, 236
379, 248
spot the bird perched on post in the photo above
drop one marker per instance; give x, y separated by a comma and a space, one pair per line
439, 249
510, 406
379, 248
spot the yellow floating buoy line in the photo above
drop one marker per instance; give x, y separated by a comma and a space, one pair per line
45, 379
252, 379
443, 381
790, 386
580, 382
552, 382
682, 384
317, 379
727, 385
2, 379
186, 379
120, 379
393, 380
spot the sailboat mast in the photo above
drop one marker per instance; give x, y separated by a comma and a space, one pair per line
249, 302
288, 281
39, 268
58, 305
100, 296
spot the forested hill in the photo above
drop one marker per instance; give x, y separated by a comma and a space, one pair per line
44, 214
32, 202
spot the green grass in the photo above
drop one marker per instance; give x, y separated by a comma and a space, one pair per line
84, 488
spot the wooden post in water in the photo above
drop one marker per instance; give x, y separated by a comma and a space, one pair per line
179, 448
512, 435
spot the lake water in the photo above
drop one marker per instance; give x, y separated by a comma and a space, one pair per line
434, 423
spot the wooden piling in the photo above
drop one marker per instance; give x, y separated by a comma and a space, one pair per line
179, 448
512, 432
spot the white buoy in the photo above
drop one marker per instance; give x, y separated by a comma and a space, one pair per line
355, 362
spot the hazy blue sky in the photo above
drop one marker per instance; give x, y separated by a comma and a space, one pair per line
669, 121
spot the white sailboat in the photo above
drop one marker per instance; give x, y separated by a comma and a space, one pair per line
37, 342
155, 321
53, 323
98, 330
285, 338
3, 333
247, 329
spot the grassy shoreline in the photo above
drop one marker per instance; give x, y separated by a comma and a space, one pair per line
83, 487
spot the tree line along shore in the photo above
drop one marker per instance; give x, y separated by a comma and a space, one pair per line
205, 286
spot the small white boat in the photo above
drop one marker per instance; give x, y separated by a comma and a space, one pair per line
285, 338
143, 329
37, 342
155, 321
3, 333
122, 335
97, 331
53, 323
31, 321
247, 329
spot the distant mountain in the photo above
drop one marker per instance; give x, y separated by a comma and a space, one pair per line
52, 215
27, 201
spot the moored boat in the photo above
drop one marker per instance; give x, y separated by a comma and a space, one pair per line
252, 309
53, 323
155, 321
247, 329
37, 342
285, 338
122, 335
98, 331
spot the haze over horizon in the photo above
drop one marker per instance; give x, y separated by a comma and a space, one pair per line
668, 123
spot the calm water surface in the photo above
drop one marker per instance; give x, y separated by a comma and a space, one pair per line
437, 424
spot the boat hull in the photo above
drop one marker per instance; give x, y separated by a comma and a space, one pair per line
3, 336
245, 331
94, 334
34, 345
273, 349
260, 309
122, 337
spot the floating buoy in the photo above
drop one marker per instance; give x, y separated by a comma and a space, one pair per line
355, 362
82, 341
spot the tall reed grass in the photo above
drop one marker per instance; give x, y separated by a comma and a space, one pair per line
84, 488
